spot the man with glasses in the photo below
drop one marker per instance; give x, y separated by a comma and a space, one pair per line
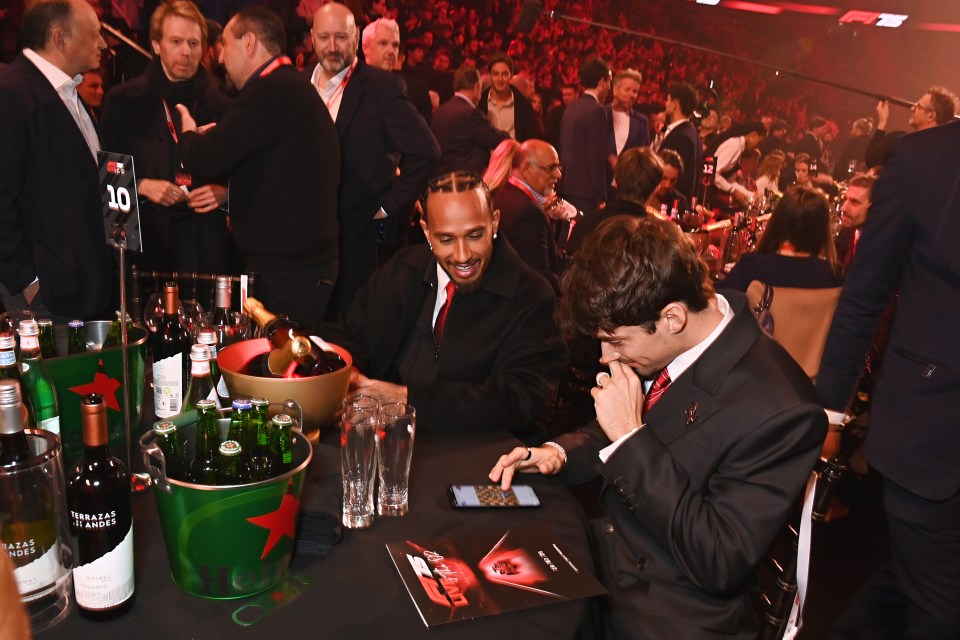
525, 204
935, 107
460, 326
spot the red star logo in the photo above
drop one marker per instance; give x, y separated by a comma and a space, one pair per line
102, 384
281, 522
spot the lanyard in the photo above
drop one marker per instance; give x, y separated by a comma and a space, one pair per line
280, 61
339, 90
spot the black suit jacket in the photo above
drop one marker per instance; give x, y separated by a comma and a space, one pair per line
280, 148
50, 202
810, 145
638, 135
524, 119
501, 348
685, 140
909, 243
693, 501
583, 152
528, 229
380, 130
465, 135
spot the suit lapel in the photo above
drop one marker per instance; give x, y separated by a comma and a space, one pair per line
352, 97
51, 102
693, 397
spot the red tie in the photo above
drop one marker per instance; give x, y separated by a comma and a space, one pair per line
660, 384
444, 310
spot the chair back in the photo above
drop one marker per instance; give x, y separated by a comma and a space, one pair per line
801, 320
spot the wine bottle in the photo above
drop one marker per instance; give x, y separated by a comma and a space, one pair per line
201, 382
221, 312
205, 463
48, 347
280, 331
10, 371
171, 364
101, 521
168, 439
37, 381
28, 532
76, 337
209, 338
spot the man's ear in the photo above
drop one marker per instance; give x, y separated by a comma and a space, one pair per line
674, 317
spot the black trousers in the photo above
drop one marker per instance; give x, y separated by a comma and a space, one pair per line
917, 596
300, 293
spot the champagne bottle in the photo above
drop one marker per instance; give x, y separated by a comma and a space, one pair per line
28, 525
280, 331
201, 382
209, 338
101, 521
10, 371
279, 363
281, 443
168, 439
171, 364
233, 468
37, 381
48, 347
76, 337
203, 470
261, 462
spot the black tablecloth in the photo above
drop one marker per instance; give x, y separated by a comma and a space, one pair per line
358, 592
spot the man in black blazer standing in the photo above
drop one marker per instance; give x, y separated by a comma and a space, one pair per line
380, 132
465, 135
280, 149
681, 136
54, 259
583, 141
908, 244
628, 128
706, 432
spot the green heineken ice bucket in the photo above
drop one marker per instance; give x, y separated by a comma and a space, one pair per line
227, 542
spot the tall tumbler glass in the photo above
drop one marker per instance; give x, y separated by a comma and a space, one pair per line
358, 458
398, 423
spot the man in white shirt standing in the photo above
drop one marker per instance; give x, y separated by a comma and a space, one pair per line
706, 432
54, 259
388, 152
743, 138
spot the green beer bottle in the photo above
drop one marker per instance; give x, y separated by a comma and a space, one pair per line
76, 337
10, 371
114, 337
168, 439
48, 346
261, 462
205, 463
233, 468
37, 381
281, 443
240, 426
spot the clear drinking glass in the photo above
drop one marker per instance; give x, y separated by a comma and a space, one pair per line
358, 459
398, 423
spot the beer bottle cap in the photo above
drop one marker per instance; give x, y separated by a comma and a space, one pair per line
229, 448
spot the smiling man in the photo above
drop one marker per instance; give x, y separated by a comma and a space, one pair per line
705, 433
460, 326
184, 227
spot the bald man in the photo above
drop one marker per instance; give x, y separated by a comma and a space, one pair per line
380, 132
526, 203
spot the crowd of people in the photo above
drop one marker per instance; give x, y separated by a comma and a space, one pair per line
475, 212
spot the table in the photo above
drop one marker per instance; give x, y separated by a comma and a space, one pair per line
358, 592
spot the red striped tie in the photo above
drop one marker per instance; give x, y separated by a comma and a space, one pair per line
660, 384
444, 310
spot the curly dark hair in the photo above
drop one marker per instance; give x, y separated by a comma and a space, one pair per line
626, 272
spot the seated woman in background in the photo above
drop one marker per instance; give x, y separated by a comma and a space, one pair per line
768, 175
801, 168
796, 249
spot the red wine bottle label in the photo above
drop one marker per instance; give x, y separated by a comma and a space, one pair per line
168, 386
107, 581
